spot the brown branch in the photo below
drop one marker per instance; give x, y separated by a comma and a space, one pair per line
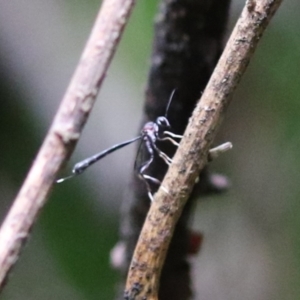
65, 130
188, 41
191, 157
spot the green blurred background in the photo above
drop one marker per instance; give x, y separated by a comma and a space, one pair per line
252, 234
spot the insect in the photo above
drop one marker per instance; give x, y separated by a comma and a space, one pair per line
150, 134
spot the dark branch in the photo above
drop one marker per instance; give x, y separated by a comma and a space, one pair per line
187, 44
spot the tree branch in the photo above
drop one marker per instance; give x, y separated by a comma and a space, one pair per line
191, 156
65, 130
188, 41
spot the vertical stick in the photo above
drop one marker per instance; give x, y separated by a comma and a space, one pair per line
65, 130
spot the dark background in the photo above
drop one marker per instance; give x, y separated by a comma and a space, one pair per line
252, 234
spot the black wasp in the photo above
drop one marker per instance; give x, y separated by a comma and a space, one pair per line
150, 134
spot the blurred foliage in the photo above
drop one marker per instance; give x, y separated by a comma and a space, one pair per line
252, 236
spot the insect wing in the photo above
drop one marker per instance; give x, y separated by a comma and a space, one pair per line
142, 156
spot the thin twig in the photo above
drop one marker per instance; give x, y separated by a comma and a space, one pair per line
191, 157
65, 130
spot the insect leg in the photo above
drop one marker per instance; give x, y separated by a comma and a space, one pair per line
171, 140
163, 155
173, 135
141, 171
170, 137
146, 177
152, 179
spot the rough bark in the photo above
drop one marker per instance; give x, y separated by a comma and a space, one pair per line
192, 155
188, 41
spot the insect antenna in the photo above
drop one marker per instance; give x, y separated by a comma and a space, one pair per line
169, 103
